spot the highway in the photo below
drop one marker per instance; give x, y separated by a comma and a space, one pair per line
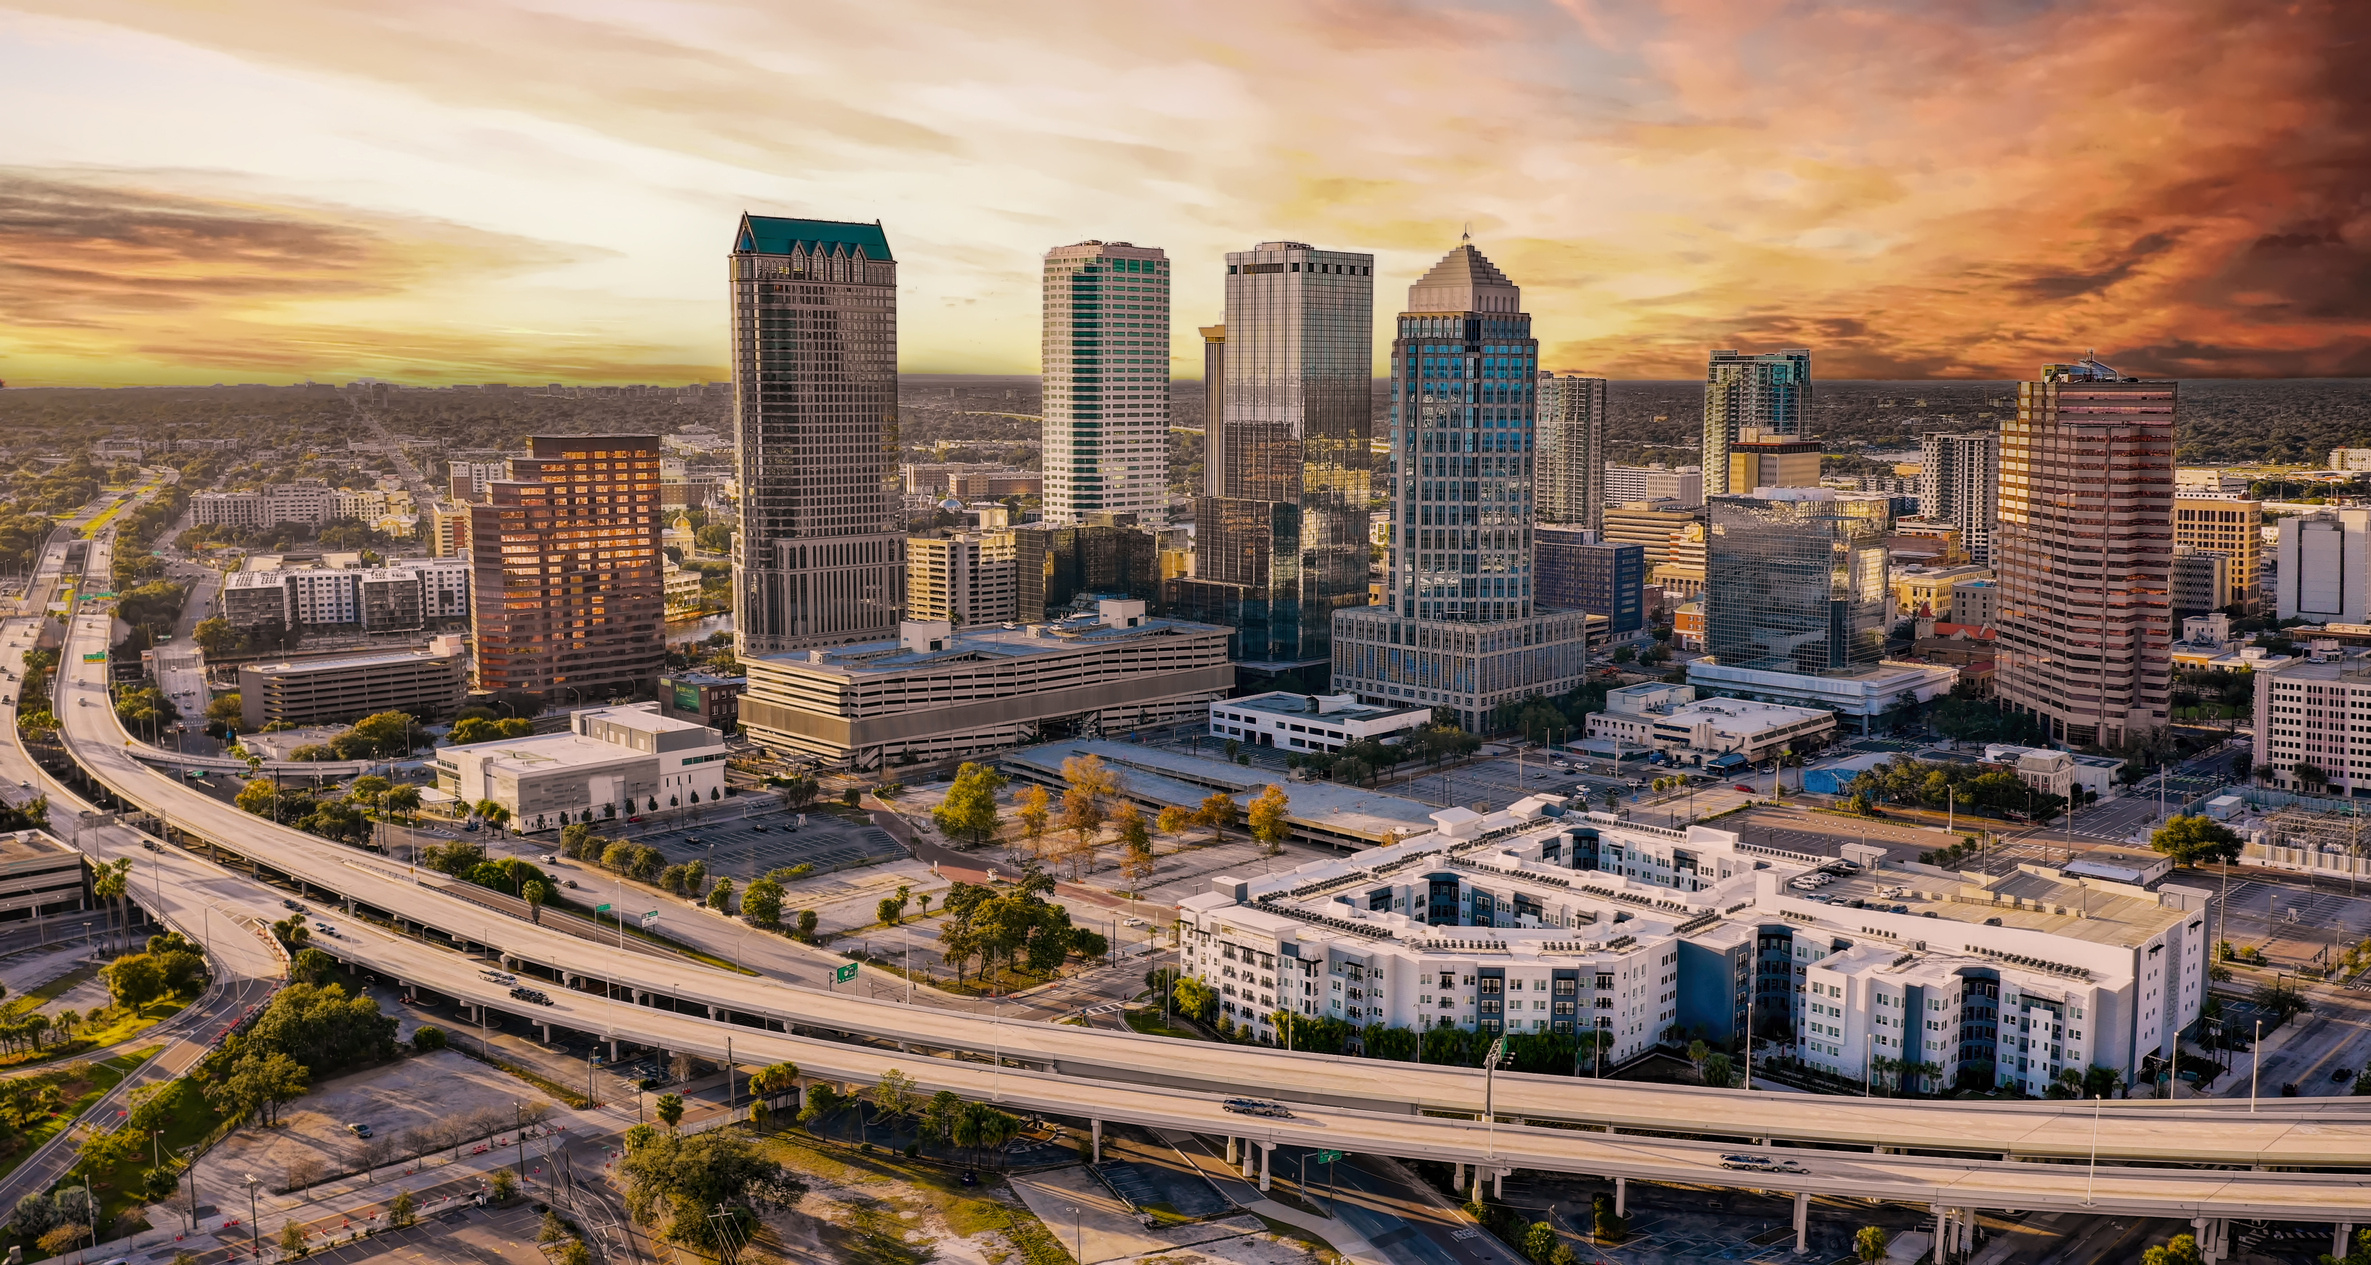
1356, 1104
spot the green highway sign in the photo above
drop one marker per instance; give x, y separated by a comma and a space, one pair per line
1328, 1157
600, 909
843, 974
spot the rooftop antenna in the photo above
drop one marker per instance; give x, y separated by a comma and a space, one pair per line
1466, 237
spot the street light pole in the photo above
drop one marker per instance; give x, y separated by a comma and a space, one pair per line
2255, 1064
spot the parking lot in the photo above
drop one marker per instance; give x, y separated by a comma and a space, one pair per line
767, 838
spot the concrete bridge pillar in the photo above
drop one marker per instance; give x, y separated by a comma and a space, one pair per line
567, 980
1498, 1183
1621, 1196
1457, 1181
613, 1051
715, 1013
1267, 1162
2339, 1237
1967, 1230
1251, 1158
1474, 1194
2203, 1230
1942, 1235
1096, 1154
1232, 1158
1802, 1222
544, 1031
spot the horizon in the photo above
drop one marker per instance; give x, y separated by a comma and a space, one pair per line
260, 189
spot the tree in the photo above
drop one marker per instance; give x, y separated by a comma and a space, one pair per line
1036, 813
970, 805
2192, 840
761, 903
2182, 1250
892, 909
428, 1038
720, 898
1218, 813
134, 980
403, 1211
312, 966
807, 921
677, 1183
1539, 1242
1083, 815
1173, 821
1196, 999
670, 1109
534, 893
940, 1115
894, 1094
1269, 819
216, 638
1869, 1245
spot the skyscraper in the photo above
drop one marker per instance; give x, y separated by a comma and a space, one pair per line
1459, 628
1959, 483
1571, 478
1106, 378
2084, 552
1795, 581
820, 557
565, 595
1769, 393
1281, 530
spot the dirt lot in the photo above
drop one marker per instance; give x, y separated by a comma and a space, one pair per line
415, 1094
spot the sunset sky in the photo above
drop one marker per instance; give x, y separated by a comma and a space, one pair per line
529, 191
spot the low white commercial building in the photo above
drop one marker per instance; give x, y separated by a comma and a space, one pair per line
1670, 718
1310, 722
1545, 919
1859, 698
939, 691
612, 762
2046, 769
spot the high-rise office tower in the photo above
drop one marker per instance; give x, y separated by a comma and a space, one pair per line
565, 593
1769, 393
820, 557
1459, 627
1571, 477
1281, 530
2084, 553
1795, 581
1959, 483
1106, 379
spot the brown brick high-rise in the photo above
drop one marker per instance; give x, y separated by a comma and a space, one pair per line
2084, 551
565, 591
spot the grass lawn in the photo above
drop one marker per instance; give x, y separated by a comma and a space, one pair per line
909, 1185
1148, 1022
79, 1095
117, 1027
188, 1118
25, 1003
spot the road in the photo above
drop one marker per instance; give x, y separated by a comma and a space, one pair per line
1353, 1104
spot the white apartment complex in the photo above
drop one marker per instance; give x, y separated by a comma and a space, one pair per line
398, 598
1105, 366
939, 691
1310, 722
1959, 482
1625, 484
1542, 918
307, 501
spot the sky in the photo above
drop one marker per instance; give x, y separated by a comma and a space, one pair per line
524, 191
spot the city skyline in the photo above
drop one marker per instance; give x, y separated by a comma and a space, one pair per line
268, 192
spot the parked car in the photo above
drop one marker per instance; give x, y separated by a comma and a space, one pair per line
358, 1130
1743, 787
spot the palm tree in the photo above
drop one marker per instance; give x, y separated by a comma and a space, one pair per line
110, 880
405, 800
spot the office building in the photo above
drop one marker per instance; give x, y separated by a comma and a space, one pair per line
820, 557
1769, 394
1577, 572
1928, 591
1795, 581
1717, 733
2232, 528
1460, 626
613, 762
1976, 603
1106, 556
1570, 479
703, 698
2312, 714
1959, 485
2351, 460
1280, 532
2322, 569
1681, 574
938, 692
1649, 525
2201, 581
448, 531
1582, 921
1105, 365
1310, 722
566, 591
1759, 460
2084, 552
1684, 486
963, 578
337, 689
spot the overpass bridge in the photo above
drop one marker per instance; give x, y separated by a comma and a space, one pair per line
2208, 1161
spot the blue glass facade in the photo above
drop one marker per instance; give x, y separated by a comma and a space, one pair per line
1598, 579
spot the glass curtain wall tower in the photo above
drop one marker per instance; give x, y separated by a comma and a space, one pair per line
1458, 627
1572, 450
820, 557
1281, 530
1105, 372
1795, 581
1768, 394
